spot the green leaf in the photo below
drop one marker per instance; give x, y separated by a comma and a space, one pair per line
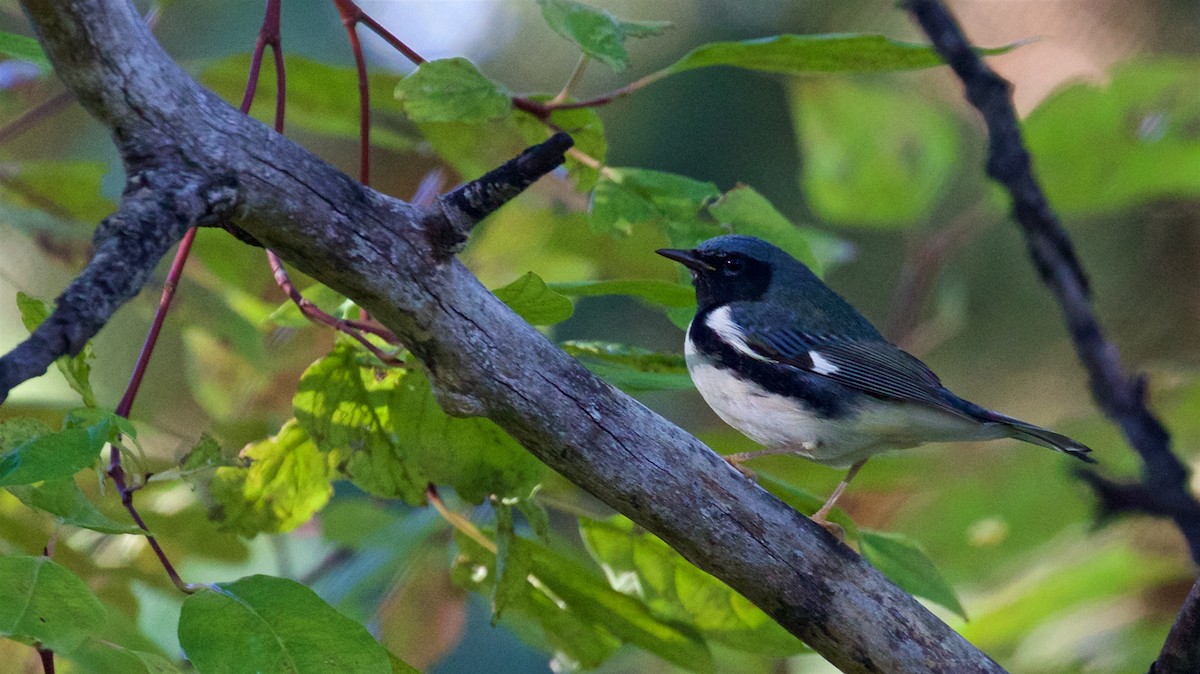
23, 48
512, 562
892, 176
43, 602
392, 439
627, 197
579, 590
288, 315
64, 499
1098, 148
905, 564
18, 430
284, 485
637, 562
54, 455
631, 368
101, 655
72, 191
266, 624
659, 293
748, 212
597, 33
534, 301
586, 129
75, 369
320, 98
801, 54
475, 148
451, 90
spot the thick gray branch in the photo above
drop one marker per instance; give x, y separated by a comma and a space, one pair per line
1181, 652
485, 360
159, 205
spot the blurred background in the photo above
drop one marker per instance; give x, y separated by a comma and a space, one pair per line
888, 168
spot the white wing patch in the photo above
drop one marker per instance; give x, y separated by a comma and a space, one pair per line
820, 364
720, 322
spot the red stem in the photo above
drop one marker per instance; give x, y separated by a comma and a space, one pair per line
268, 34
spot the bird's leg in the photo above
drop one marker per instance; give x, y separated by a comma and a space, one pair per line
736, 460
819, 516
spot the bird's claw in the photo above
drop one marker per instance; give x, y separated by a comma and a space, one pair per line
741, 468
835, 529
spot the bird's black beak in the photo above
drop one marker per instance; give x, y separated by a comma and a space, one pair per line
687, 258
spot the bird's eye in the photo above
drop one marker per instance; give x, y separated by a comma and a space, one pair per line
732, 265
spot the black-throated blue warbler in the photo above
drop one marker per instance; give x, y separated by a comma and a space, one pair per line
785, 360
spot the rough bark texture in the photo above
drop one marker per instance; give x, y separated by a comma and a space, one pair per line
1181, 652
391, 258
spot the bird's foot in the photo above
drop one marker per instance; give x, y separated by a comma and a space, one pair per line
736, 460
833, 528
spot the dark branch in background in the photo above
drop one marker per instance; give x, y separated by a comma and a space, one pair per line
160, 204
1163, 489
391, 258
1181, 653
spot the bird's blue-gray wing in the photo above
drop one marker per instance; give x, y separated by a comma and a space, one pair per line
872, 366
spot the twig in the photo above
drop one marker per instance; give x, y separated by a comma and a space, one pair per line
1121, 396
351, 15
35, 115
1181, 652
464, 207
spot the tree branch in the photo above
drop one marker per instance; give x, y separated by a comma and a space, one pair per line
1181, 653
390, 257
1120, 395
159, 205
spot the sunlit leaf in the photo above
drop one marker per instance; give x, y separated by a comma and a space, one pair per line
45, 603
268, 624
906, 565
392, 439
320, 98
586, 129
534, 301
632, 368
597, 33
62, 498
892, 176
574, 589
1102, 147
801, 54
75, 369
286, 481
638, 563
451, 90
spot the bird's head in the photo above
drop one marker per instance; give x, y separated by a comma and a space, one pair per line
739, 269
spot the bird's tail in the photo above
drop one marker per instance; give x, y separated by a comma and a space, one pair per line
1037, 435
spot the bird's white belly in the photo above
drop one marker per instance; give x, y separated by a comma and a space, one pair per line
777, 422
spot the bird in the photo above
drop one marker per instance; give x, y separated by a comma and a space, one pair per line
785, 360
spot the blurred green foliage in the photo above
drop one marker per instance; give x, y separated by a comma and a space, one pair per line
254, 422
